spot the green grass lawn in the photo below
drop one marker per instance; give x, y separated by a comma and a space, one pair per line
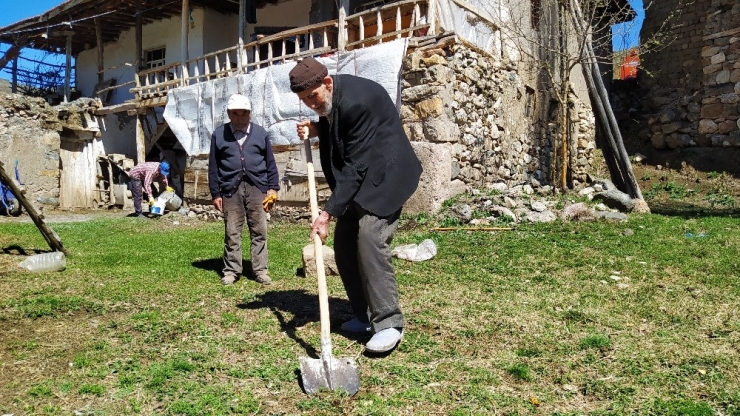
547, 319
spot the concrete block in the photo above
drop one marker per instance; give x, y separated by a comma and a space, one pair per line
435, 185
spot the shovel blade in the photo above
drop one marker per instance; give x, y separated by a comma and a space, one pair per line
334, 373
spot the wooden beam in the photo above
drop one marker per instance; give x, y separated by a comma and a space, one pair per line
139, 52
242, 34
432, 17
342, 38
68, 70
13, 51
118, 108
140, 141
99, 39
161, 128
14, 85
184, 28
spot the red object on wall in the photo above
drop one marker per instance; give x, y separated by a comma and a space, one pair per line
628, 68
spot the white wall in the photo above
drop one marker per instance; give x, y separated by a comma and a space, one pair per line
163, 33
209, 31
220, 32
291, 13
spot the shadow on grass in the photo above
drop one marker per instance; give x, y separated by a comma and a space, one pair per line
303, 307
214, 265
15, 249
683, 209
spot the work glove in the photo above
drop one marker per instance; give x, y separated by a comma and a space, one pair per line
169, 189
151, 201
269, 201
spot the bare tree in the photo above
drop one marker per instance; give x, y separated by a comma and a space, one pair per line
562, 40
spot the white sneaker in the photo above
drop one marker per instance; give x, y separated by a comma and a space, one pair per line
384, 340
356, 325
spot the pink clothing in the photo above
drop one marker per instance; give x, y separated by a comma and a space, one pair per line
146, 172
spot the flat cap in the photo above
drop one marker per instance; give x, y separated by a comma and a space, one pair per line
306, 74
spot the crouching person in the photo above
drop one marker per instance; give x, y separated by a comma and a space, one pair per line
142, 176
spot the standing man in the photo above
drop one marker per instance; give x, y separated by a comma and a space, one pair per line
372, 170
145, 173
243, 180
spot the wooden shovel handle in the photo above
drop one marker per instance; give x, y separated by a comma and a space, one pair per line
319, 256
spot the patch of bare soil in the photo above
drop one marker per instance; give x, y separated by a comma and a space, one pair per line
689, 181
57, 215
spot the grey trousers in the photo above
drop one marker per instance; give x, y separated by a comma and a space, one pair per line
363, 255
246, 203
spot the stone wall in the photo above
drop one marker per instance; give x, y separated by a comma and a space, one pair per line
29, 134
719, 124
692, 85
39, 136
487, 111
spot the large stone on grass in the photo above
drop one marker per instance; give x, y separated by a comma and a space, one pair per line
640, 206
309, 261
616, 199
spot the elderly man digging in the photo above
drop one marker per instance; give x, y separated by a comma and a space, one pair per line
372, 170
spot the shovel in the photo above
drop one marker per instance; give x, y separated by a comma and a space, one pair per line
327, 372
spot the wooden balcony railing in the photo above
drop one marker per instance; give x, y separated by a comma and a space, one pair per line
386, 23
406, 18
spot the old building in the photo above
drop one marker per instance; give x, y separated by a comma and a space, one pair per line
471, 100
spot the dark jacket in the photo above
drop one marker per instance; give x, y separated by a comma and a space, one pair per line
229, 164
365, 154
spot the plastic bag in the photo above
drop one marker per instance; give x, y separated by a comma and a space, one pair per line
45, 262
412, 252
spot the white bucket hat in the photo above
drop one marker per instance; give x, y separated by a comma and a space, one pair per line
239, 102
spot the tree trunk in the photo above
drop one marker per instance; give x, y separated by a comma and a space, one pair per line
564, 145
49, 235
627, 181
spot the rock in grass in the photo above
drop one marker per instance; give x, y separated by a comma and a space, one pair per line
309, 261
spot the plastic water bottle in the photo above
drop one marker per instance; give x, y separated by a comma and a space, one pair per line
45, 262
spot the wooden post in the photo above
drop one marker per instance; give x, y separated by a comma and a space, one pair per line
99, 39
242, 30
14, 86
431, 17
184, 28
68, 68
342, 36
140, 141
138, 35
49, 235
